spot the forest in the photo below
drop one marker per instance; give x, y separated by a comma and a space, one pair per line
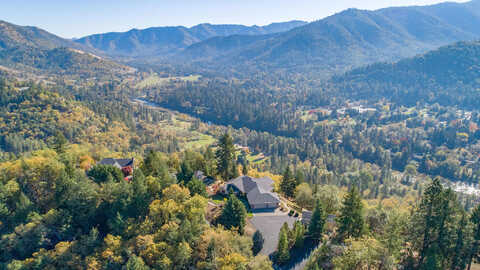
372, 165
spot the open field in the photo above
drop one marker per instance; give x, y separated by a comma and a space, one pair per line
155, 80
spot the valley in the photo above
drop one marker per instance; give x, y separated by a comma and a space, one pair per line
349, 142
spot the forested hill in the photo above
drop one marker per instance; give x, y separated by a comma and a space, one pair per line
33, 50
449, 76
350, 39
15, 36
157, 41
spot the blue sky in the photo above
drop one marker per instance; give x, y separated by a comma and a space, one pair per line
76, 18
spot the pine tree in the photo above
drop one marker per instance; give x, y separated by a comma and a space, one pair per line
225, 157
283, 252
351, 221
289, 183
298, 232
245, 168
459, 261
317, 222
432, 221
233, 214
475, 219
186, 172
141, 197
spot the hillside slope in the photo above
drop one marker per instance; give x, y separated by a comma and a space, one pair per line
30, 49
449, 76
15, 36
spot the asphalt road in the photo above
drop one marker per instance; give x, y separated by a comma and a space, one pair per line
269, 225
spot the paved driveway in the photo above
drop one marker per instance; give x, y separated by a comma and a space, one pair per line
269, 225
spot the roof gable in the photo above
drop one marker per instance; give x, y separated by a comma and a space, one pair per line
258, 190
118, 162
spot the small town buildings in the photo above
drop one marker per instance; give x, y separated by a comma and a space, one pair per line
258, 191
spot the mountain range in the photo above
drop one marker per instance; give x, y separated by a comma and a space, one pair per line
326, 47
161, 41
348, 39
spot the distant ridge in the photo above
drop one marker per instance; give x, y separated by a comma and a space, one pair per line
449, 75
159, 41
347, 39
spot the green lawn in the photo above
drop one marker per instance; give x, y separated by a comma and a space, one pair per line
155, 80
199, 141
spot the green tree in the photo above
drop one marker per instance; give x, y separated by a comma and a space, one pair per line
431, 229
460, 254
197, 187
298, 234
258, 241
475, 219
60, 142
282, 254
317, 223
225, 157
136, 263
288, 183
351, 221
103, 173
141, 198
245, 168
186, 172
304, 196
299, 177
233, 214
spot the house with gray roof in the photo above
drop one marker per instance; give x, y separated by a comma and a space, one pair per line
118, 162
258, 191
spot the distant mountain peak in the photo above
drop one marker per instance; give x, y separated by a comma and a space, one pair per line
161, 41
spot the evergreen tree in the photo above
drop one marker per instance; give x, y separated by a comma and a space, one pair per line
186, 172
475, 219
245, 168
459, 261
234, 173
351, 221
225, 157
141, 198
431, 227
317, 222
283, 252
258, 241
209, 168
288, 183
233, 214
298, 234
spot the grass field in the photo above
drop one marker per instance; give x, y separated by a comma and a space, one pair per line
154, 80
199, 140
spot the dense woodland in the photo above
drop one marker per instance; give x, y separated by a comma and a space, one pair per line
379, 154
